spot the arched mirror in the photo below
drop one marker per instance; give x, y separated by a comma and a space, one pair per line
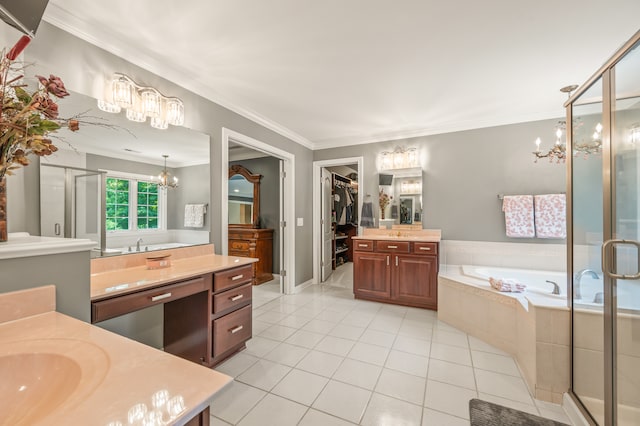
244, 197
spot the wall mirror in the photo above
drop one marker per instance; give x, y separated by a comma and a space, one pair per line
244, 197
402, 188
102, 183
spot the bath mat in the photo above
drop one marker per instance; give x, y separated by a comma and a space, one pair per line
483, 413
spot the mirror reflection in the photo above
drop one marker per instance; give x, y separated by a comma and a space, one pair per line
400, 198
103, 184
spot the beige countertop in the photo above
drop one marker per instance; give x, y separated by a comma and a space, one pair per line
59, 370
425, 235
125, 280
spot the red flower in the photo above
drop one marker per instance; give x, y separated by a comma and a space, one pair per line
54, 85
46, 105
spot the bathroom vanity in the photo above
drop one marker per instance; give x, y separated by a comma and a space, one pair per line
206, 299
397, 266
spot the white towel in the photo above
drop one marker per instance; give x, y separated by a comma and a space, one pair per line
194, 215
551, 216
509, 285
518, 216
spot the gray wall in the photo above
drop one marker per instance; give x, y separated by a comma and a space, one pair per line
269, 168
463, 172
81, 64
194, 189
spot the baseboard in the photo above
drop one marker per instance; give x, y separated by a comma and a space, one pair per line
573, 412
302, 286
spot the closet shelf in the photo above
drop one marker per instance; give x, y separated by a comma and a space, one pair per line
342, 250
341, 237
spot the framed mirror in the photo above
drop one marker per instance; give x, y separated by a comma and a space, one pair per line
400, 198
244, 197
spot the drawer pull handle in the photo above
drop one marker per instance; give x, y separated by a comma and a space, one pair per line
160, 297
425, 248
392, 246
237, 277
363, 245
236, 297
234, 330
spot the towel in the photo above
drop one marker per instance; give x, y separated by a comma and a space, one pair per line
194, 215
366, 216
551, 216
394, 212
507, 285
518, 216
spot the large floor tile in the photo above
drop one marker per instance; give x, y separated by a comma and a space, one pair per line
479, 345
385, 411
234, 401
379, 338
259, 346
494, 362
294, 321
358, 373
276, 411
318, 418
373, 354
412, 345
436, 418
300, 386
347, 331
214, 421
237, 364
503, 385
306, 339
358, 319
407, 363
319, 326
450, 353
278, 332
335, 345
447, 398
320, 363
287, 354
450, 338
264, 374
454, 374
386, 323
342, 400
401, 386
272, 317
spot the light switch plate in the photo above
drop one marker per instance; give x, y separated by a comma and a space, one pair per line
300, 221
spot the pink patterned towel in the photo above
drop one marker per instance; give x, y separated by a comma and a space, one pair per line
507, 285
551, 216
518, 216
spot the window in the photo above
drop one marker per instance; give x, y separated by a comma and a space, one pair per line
134, 203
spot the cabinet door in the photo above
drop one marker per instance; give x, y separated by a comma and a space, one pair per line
415, 279
372, 274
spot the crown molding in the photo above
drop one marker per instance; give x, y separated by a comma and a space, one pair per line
72, 24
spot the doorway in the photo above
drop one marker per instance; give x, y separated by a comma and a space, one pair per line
286, 203
330, 247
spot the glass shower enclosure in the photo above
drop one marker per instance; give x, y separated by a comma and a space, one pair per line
604, 247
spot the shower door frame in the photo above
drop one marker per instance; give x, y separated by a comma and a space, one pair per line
606, 72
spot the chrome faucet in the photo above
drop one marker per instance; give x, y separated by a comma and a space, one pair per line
556, 287
577, 293
138, 241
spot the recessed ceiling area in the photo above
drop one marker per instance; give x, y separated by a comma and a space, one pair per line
335, 73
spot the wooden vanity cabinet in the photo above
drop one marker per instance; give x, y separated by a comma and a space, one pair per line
401, 272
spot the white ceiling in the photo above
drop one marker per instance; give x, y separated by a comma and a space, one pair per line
334, 72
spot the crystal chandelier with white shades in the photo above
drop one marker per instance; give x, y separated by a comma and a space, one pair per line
141, 102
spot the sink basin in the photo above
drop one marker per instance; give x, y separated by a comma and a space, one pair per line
43, 377
34, 384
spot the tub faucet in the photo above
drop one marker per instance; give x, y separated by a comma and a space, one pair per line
138, 241
577, 293
556, 287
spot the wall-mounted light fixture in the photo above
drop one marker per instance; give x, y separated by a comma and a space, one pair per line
411, 187
399, 158
141, 102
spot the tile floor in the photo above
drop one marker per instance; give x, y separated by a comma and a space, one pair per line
322, 358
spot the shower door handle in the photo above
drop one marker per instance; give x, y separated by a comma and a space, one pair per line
607, 257
56, 229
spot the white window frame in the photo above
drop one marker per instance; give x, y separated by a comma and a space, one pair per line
133, 207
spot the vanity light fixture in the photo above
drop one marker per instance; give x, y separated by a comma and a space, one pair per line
165, 178
141, 102
399, 158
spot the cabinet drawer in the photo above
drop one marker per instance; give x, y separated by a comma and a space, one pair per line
425, 248
232, 277
231, 298
120, 305
239, 245
393, 246
231, 330
363, 245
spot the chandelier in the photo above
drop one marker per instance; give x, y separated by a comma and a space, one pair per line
165, 178
141, 102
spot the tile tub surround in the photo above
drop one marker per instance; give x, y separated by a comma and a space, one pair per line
113, 373
348, 361
528, 327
